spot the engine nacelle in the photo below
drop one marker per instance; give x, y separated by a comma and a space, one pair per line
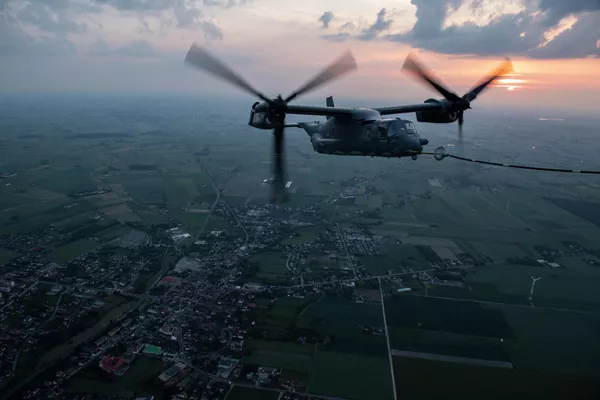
439, 116
259, 120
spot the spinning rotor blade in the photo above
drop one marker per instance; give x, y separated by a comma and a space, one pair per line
505, 68
460, 124
339, 67
202, 59
278, 185
412, 65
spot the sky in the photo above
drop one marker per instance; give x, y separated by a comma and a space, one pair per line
138, 46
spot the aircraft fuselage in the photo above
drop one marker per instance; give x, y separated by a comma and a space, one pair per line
393, 137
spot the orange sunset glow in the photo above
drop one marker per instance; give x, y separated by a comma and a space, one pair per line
112, 49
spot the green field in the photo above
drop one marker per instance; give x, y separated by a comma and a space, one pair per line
6, 255
330, 317
302, 236
553, 340
286, 355
424, 379
245, 393
572, 287
268, 358
271, 268
141, 378
74, 249
278, 321
351, 376
445, 343
463, 317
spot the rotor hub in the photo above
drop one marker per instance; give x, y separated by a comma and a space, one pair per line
277, 109
461, 104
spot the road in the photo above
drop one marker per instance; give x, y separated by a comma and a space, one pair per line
287, 262
248, 385
77, 286
214, 204
229, 208
387, 339
343, 239
364, 278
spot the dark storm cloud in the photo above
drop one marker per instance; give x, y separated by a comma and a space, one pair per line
325, 19
381, 25
504, 34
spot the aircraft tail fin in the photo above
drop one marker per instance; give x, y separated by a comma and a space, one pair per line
329, 102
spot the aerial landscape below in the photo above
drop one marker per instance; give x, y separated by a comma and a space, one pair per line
299, 200
141, 257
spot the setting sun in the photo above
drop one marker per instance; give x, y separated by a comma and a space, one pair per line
510, 84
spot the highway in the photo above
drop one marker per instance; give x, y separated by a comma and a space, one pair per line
387, 339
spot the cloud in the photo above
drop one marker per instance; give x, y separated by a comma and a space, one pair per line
520, 33
579, 41
555, 10
431, 15
48, 26
14, 41
43, 17
381, 25
236, 3
212, 30
337, 37
348, 26
543, 29
326, 18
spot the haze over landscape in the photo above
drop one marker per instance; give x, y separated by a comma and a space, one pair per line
140, 255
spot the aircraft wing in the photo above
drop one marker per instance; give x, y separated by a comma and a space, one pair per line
408, 108
323, 111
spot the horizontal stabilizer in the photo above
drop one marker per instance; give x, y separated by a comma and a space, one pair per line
329, 102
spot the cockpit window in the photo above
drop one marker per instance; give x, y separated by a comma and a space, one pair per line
382, 130
410, 127
397, 128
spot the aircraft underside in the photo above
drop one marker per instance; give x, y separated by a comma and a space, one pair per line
372, 151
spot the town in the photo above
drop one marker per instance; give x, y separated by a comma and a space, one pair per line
189, 306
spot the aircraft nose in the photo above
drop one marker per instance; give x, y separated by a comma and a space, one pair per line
416, 145
424, 142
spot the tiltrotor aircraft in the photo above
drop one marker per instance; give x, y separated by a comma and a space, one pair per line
347, 131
